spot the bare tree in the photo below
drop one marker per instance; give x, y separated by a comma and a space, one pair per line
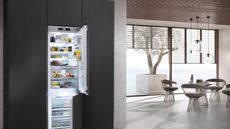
154, 42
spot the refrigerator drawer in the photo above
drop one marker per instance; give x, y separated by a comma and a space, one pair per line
61, 103
61, 123
61, 113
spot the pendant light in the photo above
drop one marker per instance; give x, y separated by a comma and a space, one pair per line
209, 58
191, 32
198, 41
208, 54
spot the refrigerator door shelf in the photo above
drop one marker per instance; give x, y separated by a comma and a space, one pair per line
83, 63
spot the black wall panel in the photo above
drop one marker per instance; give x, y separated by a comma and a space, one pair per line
65, 12
25, 64
99, 105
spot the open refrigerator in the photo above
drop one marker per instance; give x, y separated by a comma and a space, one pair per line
67, 73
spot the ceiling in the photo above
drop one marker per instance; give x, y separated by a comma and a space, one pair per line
180, 10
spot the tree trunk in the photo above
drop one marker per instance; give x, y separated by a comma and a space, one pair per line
160, 57
150, 63
157, 63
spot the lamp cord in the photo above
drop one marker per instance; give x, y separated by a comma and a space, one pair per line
197, 28
208, 34
191, 32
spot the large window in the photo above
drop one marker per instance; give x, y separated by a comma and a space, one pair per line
188, 55
145, 45
178, 42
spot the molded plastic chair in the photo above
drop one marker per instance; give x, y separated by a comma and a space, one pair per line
215, 85
169, 88
227, 92
194, 92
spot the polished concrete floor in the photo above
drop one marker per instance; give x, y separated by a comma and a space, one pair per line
151, 113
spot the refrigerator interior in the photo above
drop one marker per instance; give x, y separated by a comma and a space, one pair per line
66, 71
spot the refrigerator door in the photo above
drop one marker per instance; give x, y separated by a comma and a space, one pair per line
77, 112
83, 85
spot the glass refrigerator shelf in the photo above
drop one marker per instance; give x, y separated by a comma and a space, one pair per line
66, 127
62, 44
63, 79
51, 59
65, 67
57, 52
59, 116
57, 109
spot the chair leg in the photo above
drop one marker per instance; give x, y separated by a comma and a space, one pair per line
203, 100
218, 96
169, 97
196, 105
173, 97
211, 96
206, 99
215, 96
228, 102
190, 105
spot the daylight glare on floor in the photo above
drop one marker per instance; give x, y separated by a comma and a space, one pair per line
150, 112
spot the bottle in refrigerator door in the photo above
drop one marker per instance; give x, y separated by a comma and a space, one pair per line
77, 53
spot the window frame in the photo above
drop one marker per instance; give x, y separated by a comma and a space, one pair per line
185, 46
216, 47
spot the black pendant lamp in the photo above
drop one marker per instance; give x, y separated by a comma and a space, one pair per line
191, 32
197, 40
208, 58
208, 54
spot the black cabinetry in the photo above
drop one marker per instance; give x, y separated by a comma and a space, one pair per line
25, 64
65, 12
25, 61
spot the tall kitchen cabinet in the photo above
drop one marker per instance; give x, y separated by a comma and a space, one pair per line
65, 12
25, 61
25, 64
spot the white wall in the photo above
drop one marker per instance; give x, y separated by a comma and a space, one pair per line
224, 57
120, 65
224, 54
1, 64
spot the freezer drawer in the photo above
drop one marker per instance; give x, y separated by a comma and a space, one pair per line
61, 103
61, 113
58, 123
